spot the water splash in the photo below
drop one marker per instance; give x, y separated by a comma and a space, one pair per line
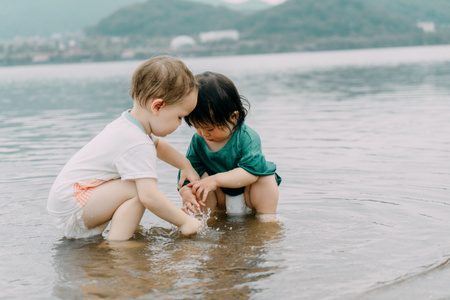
203, 217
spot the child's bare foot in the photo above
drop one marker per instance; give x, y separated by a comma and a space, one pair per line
190, 227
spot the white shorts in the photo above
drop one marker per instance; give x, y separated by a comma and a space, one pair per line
235, 205
74, 228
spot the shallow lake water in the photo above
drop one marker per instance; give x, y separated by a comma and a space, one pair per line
361, 140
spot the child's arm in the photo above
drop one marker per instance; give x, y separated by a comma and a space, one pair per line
235, 178
170, 155
160, 205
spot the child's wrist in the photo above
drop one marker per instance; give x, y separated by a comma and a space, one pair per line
183, 190
216, 179
186, 164
190, 226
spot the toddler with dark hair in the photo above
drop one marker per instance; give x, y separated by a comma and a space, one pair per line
227, 154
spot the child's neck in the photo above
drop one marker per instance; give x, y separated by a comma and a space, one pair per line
216, 146
140, 114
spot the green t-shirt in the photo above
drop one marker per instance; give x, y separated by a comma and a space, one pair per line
242, 150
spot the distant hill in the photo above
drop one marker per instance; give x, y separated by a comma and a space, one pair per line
324, 18
45, 17
306, 17
165, 18
299, 19
247, 7
437, 11
295, 25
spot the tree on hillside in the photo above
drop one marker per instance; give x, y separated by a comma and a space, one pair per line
437, 11
325, 18
165, 18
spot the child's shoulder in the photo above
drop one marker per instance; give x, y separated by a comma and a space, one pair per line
246, 136
248, 131
123, 131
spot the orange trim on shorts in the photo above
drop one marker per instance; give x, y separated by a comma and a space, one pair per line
82, 190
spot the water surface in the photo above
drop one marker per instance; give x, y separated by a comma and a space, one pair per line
360, 138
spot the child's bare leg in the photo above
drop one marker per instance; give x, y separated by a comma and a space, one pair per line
263, 195
116, 201
210, 204
221, 198
214, 199
126, 219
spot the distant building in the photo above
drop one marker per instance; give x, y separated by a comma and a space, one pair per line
216, 36
41, 58
182, 42
127, 54
426, 26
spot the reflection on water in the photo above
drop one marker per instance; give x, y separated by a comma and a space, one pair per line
159, 263
359, 137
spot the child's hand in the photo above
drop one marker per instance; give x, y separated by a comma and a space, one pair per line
190, 202
188, 174
201, 188
190, 227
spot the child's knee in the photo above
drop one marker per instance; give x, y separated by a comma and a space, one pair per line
135, 201
270, 178
263, 194
267, 182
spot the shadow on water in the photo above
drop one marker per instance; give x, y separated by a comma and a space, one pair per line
221, 262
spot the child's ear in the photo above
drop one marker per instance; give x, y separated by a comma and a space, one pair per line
234, 116
156, 106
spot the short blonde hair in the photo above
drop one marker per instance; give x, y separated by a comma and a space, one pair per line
162, 77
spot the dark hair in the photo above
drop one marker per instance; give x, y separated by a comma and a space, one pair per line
218, 99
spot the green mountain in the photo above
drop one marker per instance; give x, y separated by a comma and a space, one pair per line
165, 18
325, 18
295, 25
299, 19
437, 11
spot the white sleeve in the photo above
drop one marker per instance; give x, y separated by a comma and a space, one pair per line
138, 162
